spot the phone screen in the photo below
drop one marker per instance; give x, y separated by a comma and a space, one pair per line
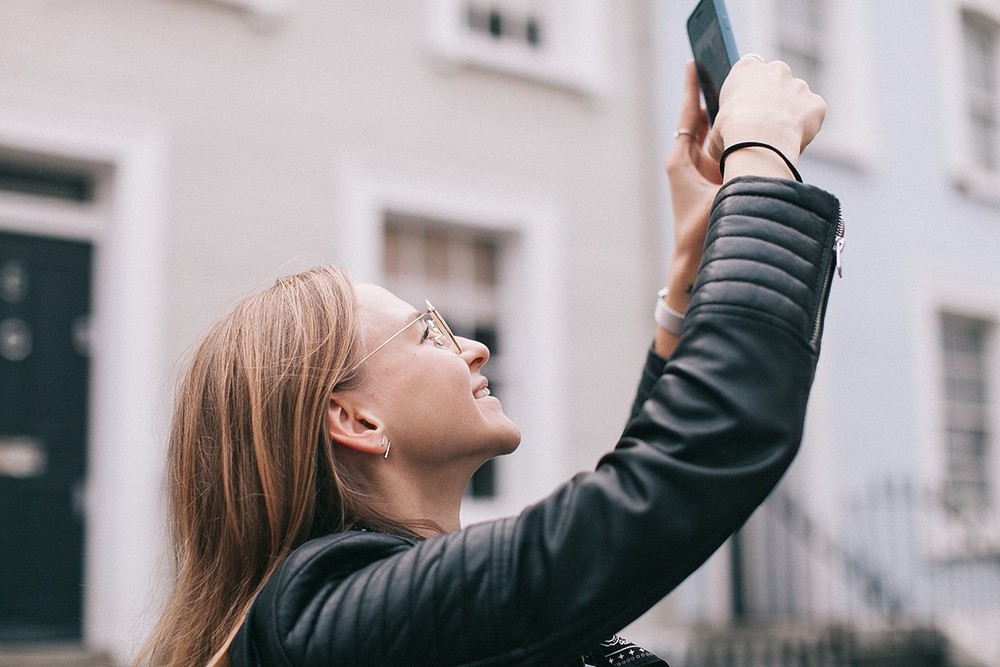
714, 50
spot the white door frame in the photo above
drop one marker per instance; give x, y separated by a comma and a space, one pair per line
124, 535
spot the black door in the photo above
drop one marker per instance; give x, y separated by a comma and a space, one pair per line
44, 306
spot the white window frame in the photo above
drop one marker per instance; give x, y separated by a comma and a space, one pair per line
532, 279
966, 417
464, 301
969, 178
122, 498
572, 55
946, 537
848, 136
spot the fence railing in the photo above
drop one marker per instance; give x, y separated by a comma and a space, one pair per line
815, 646
900, 554
902, 564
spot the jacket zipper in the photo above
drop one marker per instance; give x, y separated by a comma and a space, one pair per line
834, 266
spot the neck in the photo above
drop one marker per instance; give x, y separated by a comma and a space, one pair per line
428, 503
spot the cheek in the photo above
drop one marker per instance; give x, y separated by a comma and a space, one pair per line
420, 389
415, 391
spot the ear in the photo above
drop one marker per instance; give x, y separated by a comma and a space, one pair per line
348, 424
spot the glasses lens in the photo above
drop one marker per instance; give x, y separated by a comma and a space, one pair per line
440, 330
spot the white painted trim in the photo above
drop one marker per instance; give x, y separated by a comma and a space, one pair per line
975, 299
263, 8
848, 137
967, 177
573, 55
124, 537
534, 359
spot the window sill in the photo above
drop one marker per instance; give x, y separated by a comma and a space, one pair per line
264, 14
953, 540
983, 186
518, 63
835, 150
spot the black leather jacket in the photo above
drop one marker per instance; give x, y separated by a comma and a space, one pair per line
712, 432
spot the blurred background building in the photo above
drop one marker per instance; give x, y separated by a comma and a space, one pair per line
161, 158
884, 540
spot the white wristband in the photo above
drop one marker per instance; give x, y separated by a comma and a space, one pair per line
666, 317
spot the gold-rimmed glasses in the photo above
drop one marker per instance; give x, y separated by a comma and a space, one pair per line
437, 329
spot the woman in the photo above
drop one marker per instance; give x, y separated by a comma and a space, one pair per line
325, 432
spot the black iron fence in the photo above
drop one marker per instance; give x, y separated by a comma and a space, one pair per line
905, 576
798, 645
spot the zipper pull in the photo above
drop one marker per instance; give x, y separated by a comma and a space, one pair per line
840, 255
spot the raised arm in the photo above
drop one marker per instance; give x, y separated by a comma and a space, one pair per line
761, 103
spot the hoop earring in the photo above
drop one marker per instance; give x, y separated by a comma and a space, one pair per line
388, 445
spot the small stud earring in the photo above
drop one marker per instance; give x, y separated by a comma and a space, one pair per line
388, 445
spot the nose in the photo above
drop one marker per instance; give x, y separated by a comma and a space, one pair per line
475, 353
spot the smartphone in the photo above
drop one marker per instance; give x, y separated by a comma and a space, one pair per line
714, 49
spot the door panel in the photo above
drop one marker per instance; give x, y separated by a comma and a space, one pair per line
44, 307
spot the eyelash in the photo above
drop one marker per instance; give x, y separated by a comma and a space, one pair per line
428, 327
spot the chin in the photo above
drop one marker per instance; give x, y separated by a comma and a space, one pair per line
504, 435
511, 441
503, 439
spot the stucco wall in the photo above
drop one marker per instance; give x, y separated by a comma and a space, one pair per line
259, 120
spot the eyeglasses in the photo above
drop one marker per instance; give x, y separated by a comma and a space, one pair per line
437, 329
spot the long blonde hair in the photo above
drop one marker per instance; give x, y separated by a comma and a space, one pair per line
251, 470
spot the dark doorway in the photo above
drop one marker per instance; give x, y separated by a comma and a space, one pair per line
44, 365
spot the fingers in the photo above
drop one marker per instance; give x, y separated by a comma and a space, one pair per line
691, 106
693, 116
692, 123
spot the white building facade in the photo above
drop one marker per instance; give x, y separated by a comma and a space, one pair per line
493, 157
503, 159
891, 515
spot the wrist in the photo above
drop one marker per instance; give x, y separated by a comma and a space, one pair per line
677, 295
756, 158
683, 270
777, 135
668, 318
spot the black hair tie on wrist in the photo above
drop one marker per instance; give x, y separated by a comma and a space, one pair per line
756, 144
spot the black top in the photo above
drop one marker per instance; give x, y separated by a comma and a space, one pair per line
712, 432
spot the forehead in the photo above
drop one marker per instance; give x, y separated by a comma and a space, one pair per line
382, 312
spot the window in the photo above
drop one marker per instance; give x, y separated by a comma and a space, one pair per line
979, 40
800, 39
458, 269
824, 43
972, 97
521, 25
558, 42
967, 486
504, 264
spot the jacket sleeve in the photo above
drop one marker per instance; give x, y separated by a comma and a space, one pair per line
711, 435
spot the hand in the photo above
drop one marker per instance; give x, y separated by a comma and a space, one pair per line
763, 102
694, 181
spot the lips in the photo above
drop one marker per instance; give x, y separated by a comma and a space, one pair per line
482, 391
